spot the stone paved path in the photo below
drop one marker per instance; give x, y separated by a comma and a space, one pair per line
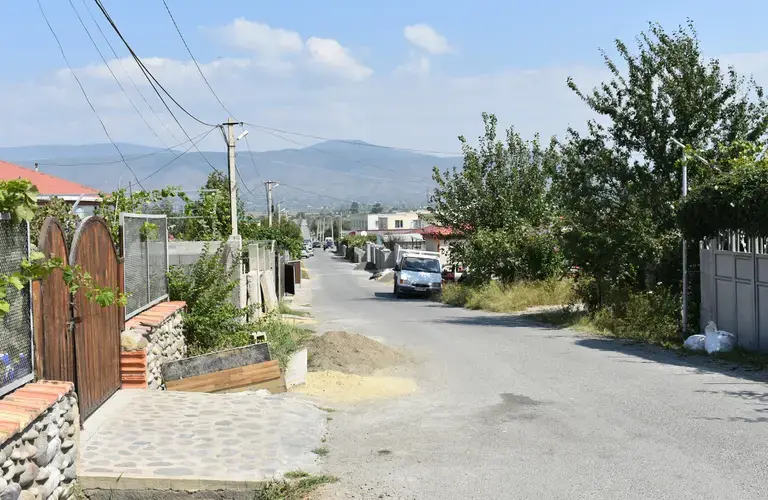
246, 436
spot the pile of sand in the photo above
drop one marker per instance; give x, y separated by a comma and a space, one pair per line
347, 388
351, 353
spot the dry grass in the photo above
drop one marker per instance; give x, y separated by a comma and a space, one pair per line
515, 297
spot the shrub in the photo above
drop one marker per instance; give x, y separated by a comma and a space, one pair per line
652, 316
211, 321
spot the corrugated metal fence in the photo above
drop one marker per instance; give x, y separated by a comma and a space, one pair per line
16, 325
144, 246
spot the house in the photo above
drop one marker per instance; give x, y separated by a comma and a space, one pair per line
364, 222
439, 239
400, 220
51, 186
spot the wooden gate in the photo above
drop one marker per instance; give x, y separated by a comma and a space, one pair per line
53, 333
97, 329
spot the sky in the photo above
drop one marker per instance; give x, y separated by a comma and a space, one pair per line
410, 74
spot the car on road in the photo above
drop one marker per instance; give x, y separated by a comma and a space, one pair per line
418, 272
316, 244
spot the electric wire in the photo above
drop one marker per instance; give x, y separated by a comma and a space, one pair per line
85, 94
189, 51
109, 68
177, 156
128, 74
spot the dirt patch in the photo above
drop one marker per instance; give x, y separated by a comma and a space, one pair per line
347, 388
351, 353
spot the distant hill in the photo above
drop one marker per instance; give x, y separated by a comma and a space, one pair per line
348, 170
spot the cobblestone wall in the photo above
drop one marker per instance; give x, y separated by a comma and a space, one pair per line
166, 343
39, 461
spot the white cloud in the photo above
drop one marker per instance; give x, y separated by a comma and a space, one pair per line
416, 65
426, 38
329, 53
258, 37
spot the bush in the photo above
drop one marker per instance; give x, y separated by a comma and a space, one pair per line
498, 297
652, 316
211, 321
357, 241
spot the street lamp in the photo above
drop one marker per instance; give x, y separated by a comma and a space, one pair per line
684, 311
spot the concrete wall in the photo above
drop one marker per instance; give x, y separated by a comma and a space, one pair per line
39, 450
186, 253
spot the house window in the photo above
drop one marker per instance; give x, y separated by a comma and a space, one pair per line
398, 224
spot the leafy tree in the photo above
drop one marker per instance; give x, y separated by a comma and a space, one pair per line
618, 185
500, 206
61, 210
122, 200
377, 209
354, 208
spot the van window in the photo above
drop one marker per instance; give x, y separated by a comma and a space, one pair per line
421, 264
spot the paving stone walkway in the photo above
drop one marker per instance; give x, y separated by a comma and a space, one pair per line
245, 436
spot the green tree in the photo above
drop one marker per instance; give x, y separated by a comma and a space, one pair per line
377, 208
61, 210
619, 184
354, 208
122, 200
499, 203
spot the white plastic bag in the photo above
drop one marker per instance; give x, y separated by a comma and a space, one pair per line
719, 341
710, 328
695, 342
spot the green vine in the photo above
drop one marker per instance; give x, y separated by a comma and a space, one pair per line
148, 231
18, 197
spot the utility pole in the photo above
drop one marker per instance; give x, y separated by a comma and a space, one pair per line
230, 138
341, 213
279, 216
332, 229
270, 209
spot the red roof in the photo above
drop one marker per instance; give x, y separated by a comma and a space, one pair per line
47, 184
439, 231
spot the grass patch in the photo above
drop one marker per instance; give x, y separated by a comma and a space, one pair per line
496, 297
293, 490
321, 451
296, 474
284, 339
286, 309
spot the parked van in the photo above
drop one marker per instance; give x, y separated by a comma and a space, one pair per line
418, 272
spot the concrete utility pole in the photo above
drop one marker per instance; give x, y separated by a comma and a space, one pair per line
279, 216
332, 229
341, 214
230, 138
270, 209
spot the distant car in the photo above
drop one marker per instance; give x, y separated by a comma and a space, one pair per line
316, 244
305, 254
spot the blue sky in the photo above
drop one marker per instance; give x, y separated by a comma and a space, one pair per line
506, 57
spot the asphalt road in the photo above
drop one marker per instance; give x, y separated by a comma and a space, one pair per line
507, 409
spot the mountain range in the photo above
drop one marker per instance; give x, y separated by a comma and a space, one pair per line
331, 173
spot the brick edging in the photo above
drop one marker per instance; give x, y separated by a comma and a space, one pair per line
21, 407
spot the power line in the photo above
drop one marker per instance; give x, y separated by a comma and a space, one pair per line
189, 51
354, 143
127, 73
109, 68
82, 89
153, 81
132, 158
146, 71
178, 156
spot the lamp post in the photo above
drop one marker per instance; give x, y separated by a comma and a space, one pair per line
684, 311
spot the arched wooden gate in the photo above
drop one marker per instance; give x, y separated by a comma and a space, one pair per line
97, 329
78, 340
55, 341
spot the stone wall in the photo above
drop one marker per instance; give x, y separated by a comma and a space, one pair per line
39, 431
150, 339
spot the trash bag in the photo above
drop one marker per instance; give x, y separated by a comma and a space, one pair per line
719, 341
710, 328
695, 342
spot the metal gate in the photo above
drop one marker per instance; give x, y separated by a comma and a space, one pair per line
97, 329
734, 288
54, 340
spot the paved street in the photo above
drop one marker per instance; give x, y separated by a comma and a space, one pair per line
509, 410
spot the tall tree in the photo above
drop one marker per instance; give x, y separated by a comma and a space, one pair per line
618, 185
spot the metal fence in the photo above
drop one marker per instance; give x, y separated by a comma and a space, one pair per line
734, 287
144, 247
16, 325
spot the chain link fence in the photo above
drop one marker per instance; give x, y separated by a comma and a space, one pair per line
16, 325
144, 248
